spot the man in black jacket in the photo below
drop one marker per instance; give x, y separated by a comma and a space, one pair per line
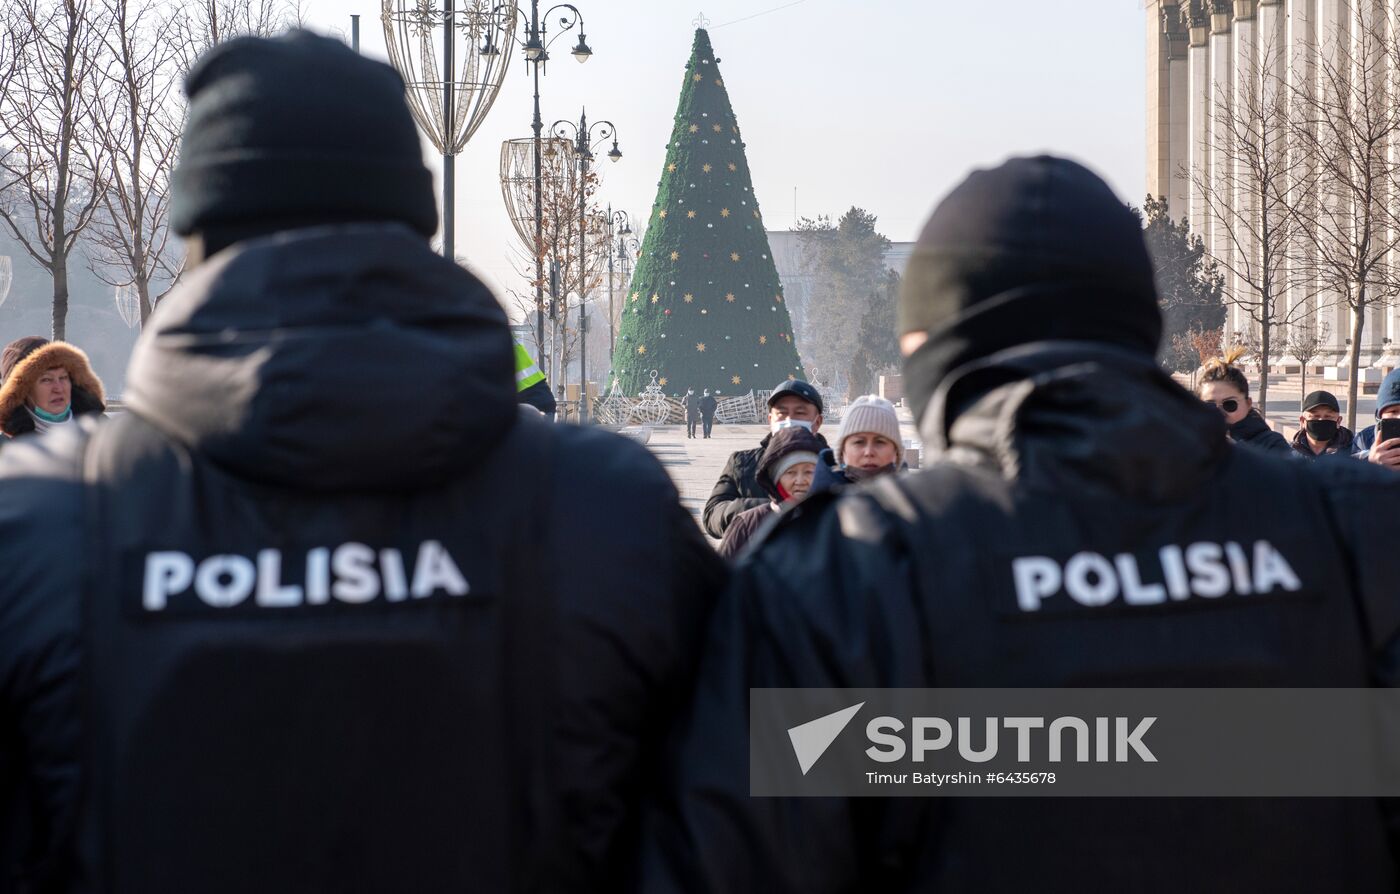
324, 610
793, 402
1031, 315
708, 406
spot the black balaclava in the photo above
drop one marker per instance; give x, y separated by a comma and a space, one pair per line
1038, 249
294, 131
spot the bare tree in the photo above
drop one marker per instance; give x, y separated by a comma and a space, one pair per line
198, 25
1255, 204
1349, 128
136, 134
50, 182
1305, 341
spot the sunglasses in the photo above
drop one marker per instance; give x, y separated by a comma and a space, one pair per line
1227, 406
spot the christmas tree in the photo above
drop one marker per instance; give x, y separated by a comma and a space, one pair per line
705, 307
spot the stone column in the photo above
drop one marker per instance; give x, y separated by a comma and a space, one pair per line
1244, 198
1198, 64
1300, 61
1178, 131
1222, 58
1332, 27
1158, 100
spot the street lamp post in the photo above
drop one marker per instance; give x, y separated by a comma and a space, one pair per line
536, 45
621, 227
583, 136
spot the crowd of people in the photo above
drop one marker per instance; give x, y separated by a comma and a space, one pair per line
326, 609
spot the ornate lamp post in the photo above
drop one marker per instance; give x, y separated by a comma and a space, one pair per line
449, 100
536, 45
621, 227
584, 138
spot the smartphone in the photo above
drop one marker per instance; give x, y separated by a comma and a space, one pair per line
1387, 429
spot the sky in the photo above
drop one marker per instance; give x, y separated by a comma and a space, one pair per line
884, 104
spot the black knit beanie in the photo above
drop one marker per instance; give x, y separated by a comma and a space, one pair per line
293, 130
1038, 249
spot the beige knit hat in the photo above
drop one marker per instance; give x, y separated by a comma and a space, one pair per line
870, 413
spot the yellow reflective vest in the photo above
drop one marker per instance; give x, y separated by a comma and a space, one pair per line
527, 372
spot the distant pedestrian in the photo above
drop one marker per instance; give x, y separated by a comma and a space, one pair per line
44, 385
531, 387
708, 406
1224, 385
868, 445
692, 412
785, 473
1387, 452
792, 403
1320, 430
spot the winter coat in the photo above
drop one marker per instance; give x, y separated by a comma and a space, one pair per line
1340, 443
88, 398
1059, 449
748, 522
538, 396
1253, 432
708, 405
737, 489
1387, 396
338, 639
692, 407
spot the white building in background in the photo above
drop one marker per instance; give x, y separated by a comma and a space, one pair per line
797, 278
1197, 52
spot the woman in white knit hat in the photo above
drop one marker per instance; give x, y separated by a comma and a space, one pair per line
867, 446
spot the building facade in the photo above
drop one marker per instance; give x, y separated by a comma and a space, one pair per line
1206, 61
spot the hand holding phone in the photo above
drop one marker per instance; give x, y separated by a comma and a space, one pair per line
1386, 450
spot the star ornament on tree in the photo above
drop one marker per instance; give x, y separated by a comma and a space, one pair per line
733, 166
734, 256
661, 381
729, 297
675, 256
700, 347
663, 213
719, 129
707, 169
763, 339
655, 298
671, 168
724, 212
694, 128
641, 349
689, 297
736, 380
690, 215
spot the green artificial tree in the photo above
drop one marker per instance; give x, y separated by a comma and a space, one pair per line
705, 308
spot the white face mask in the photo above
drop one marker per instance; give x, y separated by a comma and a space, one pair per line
791, 423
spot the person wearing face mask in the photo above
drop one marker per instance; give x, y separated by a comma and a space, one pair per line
1320, 431
793, 403
1386, 453
46, 384
867, 446
692, 412
708, 405
785, 474
1223, 384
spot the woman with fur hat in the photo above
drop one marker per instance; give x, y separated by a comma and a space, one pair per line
44, 384
867, 446
785, 474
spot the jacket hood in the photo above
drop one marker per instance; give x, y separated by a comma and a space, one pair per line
339, 358
1389, 393
779, 445
1078, 417
88, 396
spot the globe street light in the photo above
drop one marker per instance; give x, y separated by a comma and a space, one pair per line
584, 137
449, 102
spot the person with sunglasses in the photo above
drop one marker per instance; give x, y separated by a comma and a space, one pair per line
1224, 385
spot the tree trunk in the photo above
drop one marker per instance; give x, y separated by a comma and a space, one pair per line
1303, 371
1265, 333
60, 296
1352, 374
143, 294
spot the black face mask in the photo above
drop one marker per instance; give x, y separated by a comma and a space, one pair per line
1322, 429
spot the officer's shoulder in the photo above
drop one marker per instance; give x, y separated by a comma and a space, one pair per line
41, 492
54, 457
607, 458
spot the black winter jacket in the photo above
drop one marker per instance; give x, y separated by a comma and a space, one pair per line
748, 523
1253, 432
737, 489
1070, 447
293, 625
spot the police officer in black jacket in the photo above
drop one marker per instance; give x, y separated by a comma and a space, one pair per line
324, 610
1051, 432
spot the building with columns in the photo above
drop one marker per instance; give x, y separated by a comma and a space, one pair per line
1200, 55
